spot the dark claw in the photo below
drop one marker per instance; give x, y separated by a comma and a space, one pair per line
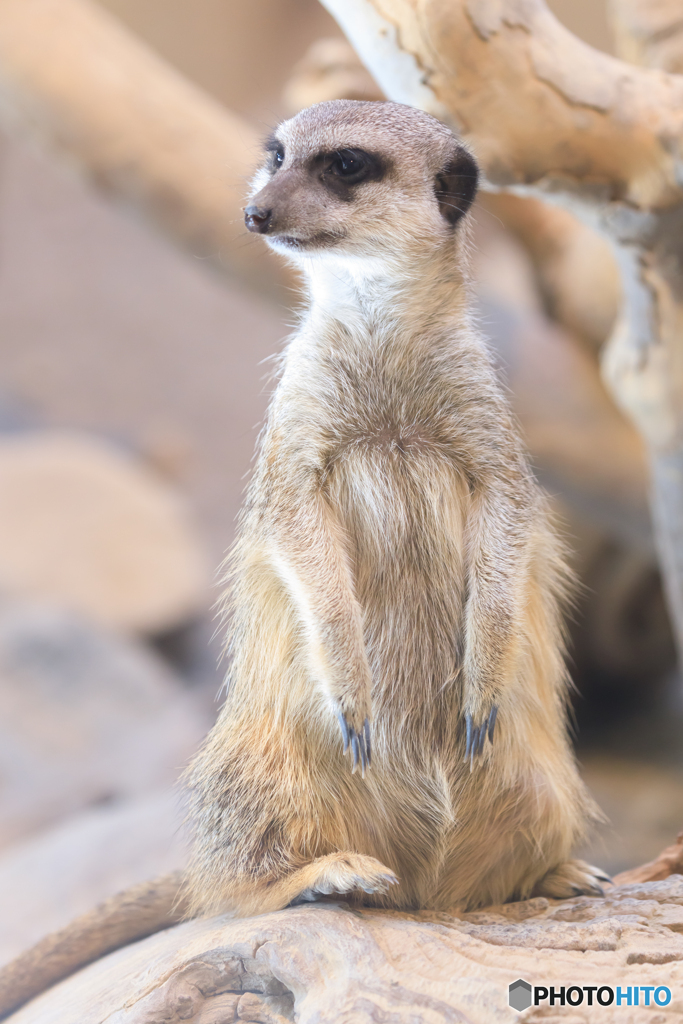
476, 735
358, 743
355, 745
345, 730
492, 721
475, 745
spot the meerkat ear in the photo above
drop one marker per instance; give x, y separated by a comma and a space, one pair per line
456, 186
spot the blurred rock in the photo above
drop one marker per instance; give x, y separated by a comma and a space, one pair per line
166, 447
85, 526
85, 717
47, 880
15, 414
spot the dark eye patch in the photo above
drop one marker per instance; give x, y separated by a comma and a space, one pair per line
345, 168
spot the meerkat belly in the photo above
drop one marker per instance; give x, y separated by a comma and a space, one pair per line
403, 507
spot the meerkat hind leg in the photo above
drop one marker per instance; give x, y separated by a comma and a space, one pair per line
336, 873
573, 878
342, 873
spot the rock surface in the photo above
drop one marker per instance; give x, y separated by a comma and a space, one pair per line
326, 963
85, 526
86, 717
50, 878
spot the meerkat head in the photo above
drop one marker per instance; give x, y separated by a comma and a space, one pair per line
361, 179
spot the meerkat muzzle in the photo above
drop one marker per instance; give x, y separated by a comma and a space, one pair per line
257, 219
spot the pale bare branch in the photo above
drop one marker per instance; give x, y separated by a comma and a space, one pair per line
649, 32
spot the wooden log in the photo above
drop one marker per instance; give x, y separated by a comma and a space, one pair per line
669, 862
328, 964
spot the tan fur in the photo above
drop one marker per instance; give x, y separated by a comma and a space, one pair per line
395, 562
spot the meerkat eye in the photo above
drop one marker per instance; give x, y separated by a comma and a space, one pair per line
352, 166
275, 151
347, 164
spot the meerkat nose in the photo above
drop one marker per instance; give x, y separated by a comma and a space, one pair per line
257, 219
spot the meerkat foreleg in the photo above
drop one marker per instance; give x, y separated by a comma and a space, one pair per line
495, 570
309, 556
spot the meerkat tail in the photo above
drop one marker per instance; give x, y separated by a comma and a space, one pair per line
126, 917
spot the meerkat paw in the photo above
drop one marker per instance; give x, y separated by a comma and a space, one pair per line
476, 733
343, 873
573, 878
334, 873
356, 740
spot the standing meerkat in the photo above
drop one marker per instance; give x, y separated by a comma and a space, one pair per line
393, 593
394, 727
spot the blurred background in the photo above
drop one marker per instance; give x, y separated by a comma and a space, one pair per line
134, 377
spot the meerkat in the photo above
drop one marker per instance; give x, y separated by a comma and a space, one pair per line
395, 717
394, 729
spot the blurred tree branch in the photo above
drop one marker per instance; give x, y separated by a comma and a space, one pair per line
75, 79
574, 266
549, 116
649, 32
